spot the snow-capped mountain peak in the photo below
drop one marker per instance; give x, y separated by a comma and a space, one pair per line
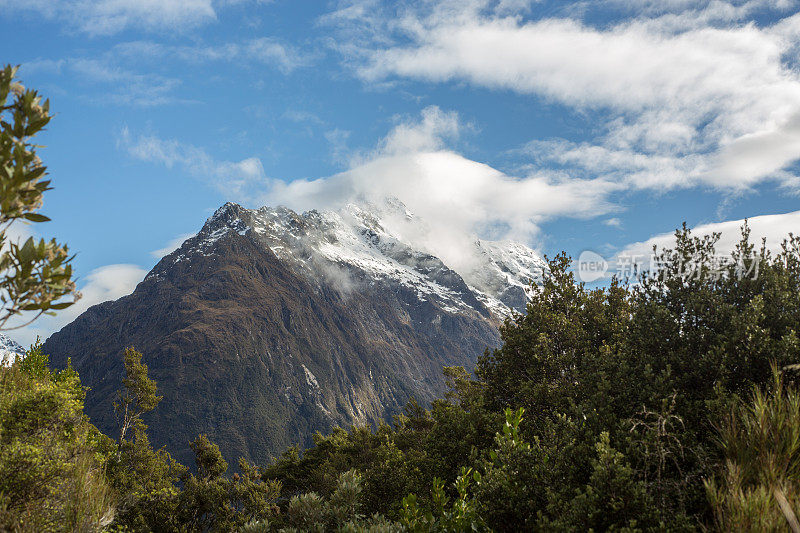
9, 350
365, 243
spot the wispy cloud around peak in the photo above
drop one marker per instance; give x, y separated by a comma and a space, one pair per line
458, 196
171, 246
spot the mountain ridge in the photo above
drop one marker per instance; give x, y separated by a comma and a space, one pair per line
10, 350
269, 325
501, 273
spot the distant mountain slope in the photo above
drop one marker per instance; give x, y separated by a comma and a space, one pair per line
269, 325
9, 350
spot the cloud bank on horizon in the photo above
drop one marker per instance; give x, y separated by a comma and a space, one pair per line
768, 231
105, 283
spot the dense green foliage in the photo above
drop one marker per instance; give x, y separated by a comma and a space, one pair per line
760, 482
668, 404
34, 276
622, 387
51, 457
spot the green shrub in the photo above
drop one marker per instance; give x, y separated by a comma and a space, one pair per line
51, 458
758, 487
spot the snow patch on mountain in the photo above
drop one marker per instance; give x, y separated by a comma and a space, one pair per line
9, 350
311, 379
367, 243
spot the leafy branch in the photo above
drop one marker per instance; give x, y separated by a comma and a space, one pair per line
34, 276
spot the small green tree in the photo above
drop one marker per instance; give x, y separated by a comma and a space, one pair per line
34, 276
211, 501
145, 479
139, 395
340, 512
146, 482
210, 464
612, 500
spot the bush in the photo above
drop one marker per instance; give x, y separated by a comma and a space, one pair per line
51, 458
758, 488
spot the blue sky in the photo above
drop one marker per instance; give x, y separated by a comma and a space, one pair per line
568, 125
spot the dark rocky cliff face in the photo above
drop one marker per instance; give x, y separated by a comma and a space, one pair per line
260, 351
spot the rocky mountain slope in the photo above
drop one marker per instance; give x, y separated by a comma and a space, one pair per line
269, 325
9, 350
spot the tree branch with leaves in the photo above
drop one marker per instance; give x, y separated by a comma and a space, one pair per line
35, 276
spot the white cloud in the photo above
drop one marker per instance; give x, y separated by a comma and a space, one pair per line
171, 246
515, 6
239, 2
108, 17
761, 153
120, 85
106, 283
337, 138
237, 180
694, 90
432, 132
301, 116
17, 232
623, 165
773, 228
262, 50
270, 51
702, 12
115, 76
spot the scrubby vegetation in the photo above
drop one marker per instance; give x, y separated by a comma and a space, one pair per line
52, 459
